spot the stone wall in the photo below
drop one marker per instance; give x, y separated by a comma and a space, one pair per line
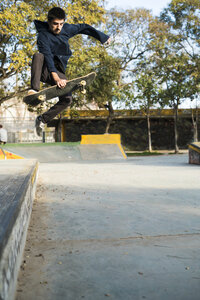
134, 131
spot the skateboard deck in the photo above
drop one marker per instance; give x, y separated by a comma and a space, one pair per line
55, 91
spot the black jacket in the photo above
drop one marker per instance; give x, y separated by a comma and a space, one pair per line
56, 47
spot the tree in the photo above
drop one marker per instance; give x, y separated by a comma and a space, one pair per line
16, 38
178, 85
129, 31
178, 58
147, 91
106, 89
91, 56
195, 120
183, 18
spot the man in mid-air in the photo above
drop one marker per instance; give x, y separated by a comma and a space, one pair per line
49, 65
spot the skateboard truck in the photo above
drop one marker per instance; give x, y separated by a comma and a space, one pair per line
82, 87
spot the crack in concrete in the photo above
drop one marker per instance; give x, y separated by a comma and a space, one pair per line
114, 240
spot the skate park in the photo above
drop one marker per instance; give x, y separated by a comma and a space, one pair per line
99, 182
100, 225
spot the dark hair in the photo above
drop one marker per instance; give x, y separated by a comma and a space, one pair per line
56, 13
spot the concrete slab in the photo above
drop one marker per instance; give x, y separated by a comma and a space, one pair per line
150, 268
17, 189
120, 229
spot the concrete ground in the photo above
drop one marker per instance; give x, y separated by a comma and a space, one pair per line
127, 229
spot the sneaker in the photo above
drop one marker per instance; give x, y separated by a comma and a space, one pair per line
32, 92
39, 125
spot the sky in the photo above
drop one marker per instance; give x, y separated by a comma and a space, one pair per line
154, 5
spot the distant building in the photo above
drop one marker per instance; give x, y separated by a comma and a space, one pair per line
20, 123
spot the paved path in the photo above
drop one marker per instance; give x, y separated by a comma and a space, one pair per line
115, 229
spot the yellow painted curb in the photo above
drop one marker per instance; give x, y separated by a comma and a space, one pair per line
103, 139
34, 174
194, 148
8, 155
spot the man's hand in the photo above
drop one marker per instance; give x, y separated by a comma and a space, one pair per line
61, 83
107, 43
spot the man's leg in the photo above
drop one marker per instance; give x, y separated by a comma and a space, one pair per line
37, 70
64, 102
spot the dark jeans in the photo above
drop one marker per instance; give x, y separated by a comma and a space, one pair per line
39, 72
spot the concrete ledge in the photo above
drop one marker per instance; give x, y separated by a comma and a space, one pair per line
194, 153
17, 191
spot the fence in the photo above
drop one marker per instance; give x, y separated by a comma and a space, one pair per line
23, 131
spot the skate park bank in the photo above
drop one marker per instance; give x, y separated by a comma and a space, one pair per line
91, 147
118, 228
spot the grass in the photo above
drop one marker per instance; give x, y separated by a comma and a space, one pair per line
173, 153
144, 153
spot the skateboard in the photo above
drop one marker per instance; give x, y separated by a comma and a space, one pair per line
54, 91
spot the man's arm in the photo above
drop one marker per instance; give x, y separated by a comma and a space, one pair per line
44, 48
61, 83
74, 29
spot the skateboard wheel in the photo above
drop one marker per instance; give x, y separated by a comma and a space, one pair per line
83, 92
41, 97
83, 82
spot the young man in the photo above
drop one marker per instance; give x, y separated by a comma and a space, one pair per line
3, 135
50, 63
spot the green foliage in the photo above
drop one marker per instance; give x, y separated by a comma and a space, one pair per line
183, 16
147, 89
84, 11
18, 34
74, 114
179, 59
106, 87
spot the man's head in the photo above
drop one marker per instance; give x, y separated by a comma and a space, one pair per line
56, 19
1, 126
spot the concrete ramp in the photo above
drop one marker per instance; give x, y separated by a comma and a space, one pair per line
61, 152
100, 152
46, 153
194, 153
108, 145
